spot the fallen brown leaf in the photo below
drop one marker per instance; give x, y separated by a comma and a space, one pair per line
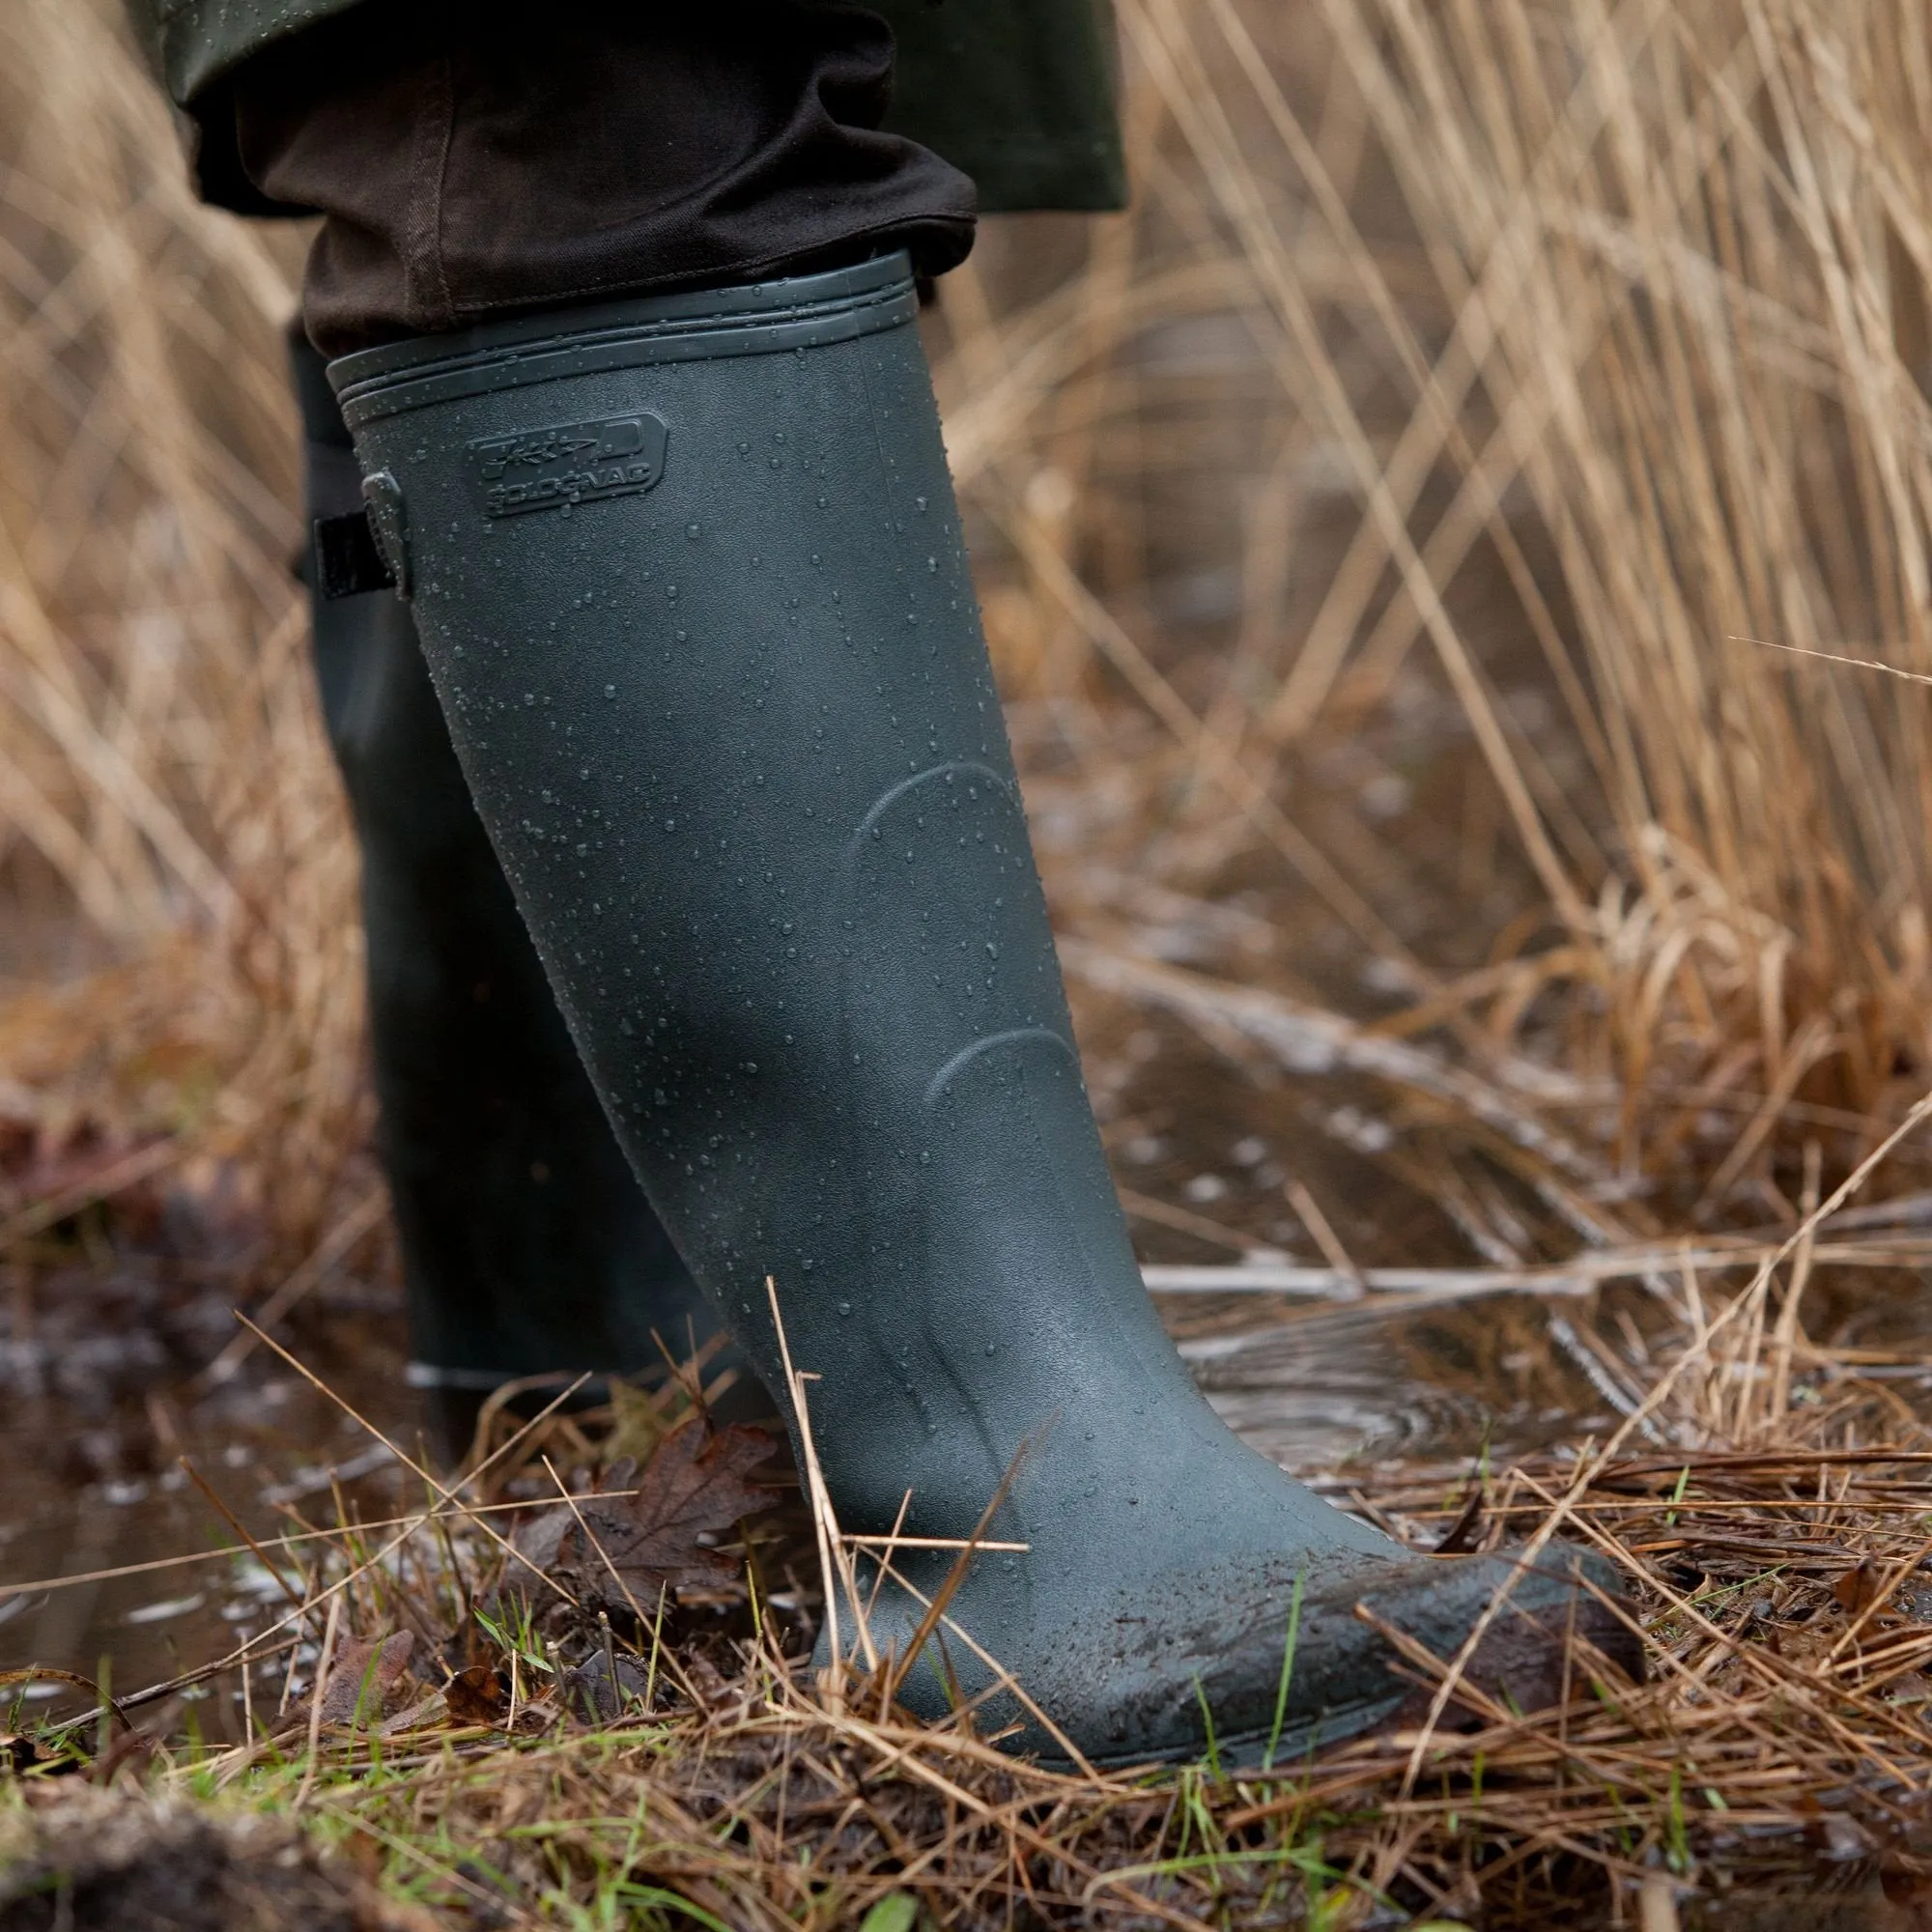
367, 1679
1857, 1589
477, 1695
696, 1484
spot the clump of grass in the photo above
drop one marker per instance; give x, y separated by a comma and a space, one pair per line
1765, 1502
1556, 362
169, 820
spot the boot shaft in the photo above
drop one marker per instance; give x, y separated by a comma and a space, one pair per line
693, 587
691, 583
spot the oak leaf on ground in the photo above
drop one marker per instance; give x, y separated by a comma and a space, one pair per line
610, 1549
477, 1695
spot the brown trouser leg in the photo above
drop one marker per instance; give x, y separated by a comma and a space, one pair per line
475, 158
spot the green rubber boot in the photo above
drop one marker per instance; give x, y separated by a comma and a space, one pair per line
527, 1245
691, 583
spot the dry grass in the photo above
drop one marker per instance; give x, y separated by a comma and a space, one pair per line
168, 814
1779, 1755
1521, 361
1389, 536
1545, 357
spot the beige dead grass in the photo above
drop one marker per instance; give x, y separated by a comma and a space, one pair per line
1777, 1758
1623, 305
1630, 301
166, 796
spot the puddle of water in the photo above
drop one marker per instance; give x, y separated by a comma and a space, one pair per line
100, 1360
100, 1404
1323, 1390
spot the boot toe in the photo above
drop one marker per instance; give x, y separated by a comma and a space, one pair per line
1558, 1622
1213, 1651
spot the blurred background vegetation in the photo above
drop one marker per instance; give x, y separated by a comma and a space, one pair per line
1396, 536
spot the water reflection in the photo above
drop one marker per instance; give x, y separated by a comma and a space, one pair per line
94, 1483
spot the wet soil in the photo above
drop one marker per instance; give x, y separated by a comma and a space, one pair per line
102, 1389
92, 1862
101, 1397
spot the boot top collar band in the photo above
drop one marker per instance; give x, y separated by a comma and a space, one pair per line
754, 319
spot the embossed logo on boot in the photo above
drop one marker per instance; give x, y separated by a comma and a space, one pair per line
573, 463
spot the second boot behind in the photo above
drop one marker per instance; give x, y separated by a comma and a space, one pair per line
527, 1245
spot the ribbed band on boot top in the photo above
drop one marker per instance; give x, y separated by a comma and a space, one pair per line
756, 319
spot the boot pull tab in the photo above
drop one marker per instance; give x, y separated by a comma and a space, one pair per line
365, 549
388, 524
